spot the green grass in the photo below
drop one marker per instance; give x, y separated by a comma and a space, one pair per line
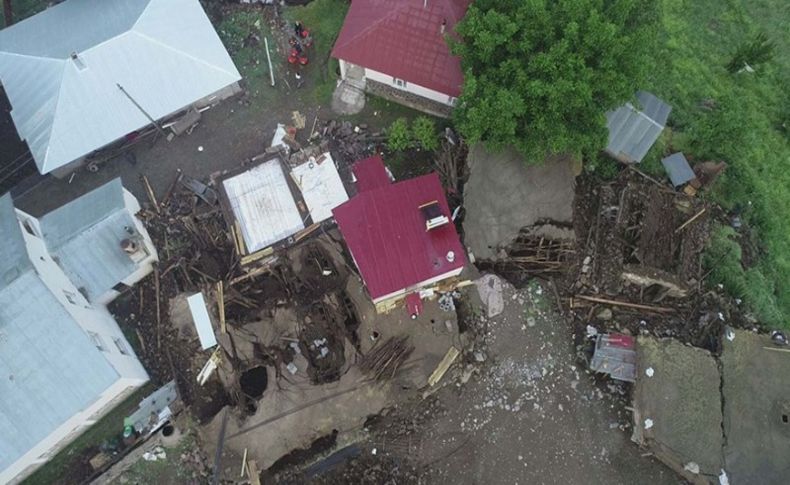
170, 470
110, 426
744, 129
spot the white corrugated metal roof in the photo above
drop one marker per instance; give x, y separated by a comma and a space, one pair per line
165, 54
632, 131
321, 186
263, 204
197, 306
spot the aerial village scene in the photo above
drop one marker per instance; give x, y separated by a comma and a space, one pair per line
394, 242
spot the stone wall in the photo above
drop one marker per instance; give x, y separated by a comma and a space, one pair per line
409, 99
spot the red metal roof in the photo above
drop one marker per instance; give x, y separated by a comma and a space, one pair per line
370, 173
385, 232
402, 38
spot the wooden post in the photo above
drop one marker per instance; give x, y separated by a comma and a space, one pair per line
221, 303
269, 59
690, 220
158, 314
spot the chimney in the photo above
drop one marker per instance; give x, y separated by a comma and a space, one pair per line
443, 27
129, 246
78, 61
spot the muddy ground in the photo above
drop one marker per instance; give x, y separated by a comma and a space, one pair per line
528, 413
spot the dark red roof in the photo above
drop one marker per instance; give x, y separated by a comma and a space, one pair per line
385, 232
402, 38
370, 173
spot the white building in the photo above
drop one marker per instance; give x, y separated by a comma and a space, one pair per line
64, 362
399, 50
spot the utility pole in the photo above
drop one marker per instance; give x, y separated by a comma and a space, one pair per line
8, 13
153, 121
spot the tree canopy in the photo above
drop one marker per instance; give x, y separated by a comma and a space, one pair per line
540, 74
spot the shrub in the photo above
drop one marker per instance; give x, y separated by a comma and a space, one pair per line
424, 131
399, 135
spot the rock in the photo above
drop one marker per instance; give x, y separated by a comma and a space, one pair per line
480, 356
605, 314
692, 467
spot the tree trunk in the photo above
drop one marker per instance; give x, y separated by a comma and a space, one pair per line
8, 13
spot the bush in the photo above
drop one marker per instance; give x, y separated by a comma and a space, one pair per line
399, 135
424, 131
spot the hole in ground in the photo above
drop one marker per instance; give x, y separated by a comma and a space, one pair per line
785, 418
168, 430
254, 381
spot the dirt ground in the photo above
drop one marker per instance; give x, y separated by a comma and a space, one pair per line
529, 413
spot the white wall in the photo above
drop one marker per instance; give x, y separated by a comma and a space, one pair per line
66, 432
92, 318
410, 87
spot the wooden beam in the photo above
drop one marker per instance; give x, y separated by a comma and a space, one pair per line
254, 474
151, 196
221, 305
251, 258
694, 218
606, 301
444, 365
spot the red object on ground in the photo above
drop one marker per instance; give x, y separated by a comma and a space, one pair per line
370, 174
292, 59
386, 234
414, 304
303, 61
403, 39
305, 33
621, 340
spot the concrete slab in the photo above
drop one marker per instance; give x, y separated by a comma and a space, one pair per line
348, 99
505, 194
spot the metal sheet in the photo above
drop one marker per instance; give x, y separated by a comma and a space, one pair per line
263, 204
633, 132
197, 306
321, 187
165, 54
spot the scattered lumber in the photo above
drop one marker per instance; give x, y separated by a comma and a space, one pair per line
638, 306
383, 361
444, 365
692, 219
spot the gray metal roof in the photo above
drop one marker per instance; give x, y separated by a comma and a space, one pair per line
13, 254
165, 53
678, 169
85, 235
632, 132
49, 368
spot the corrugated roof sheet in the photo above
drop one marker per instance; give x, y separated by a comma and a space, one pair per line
370, 173
165, 54
632, 132
13, 254
385, 232
263, 204
678, 169
49, 367
321, 187
85, 235
402, 38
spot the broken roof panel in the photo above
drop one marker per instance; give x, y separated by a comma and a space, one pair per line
386, 234
678, 169
403, 38
370, 173
632, 132
320, 185
263, 204
164, 53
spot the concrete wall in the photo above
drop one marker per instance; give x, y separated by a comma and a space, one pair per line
411, 88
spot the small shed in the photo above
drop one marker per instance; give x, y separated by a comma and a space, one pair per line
678, 169
632, 131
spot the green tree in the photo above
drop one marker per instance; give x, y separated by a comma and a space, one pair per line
752, 53
540, 74
424, 131
399, 135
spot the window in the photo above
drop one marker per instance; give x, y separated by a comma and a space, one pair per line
399, 82
97, 341
71, 297
121, 345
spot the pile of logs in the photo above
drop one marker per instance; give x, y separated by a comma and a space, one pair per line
383, 361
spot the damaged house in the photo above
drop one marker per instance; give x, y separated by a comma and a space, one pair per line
84, 74
65, 360
398, 50
400, 236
